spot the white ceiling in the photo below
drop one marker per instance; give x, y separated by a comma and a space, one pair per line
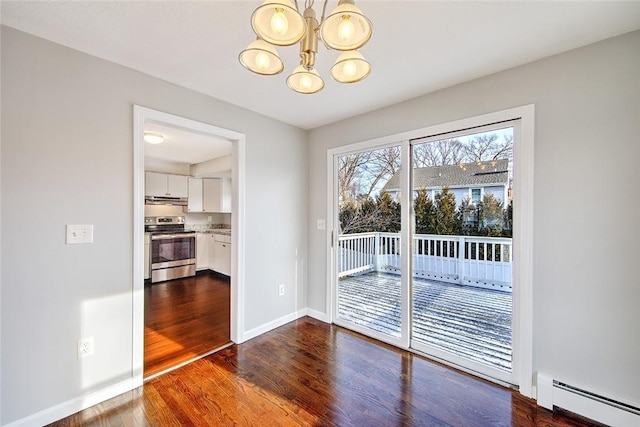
417, 46
183, 146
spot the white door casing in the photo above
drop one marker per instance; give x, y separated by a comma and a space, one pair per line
140, 116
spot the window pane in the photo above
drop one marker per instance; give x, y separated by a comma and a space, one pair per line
369, 259
461, 278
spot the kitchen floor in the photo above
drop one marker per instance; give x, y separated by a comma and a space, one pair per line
184, 319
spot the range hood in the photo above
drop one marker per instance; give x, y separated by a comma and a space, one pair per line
163, 200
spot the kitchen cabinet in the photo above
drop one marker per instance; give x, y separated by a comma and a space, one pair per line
217, 194
165, 185
147, 256
209, 195
202, 251
211, 239
194, 203
222, 254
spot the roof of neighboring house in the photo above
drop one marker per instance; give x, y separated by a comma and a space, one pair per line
462, 175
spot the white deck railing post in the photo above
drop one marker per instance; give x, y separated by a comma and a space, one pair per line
461, 252
376, 251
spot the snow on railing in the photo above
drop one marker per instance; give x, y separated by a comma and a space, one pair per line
467, 260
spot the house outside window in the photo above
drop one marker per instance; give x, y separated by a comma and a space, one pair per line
467, 181
476, 195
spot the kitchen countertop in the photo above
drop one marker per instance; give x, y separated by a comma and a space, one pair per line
224, 231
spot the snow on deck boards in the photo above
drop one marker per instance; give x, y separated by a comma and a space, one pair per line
471, 322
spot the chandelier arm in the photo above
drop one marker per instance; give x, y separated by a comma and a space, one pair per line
297, 7
324, 12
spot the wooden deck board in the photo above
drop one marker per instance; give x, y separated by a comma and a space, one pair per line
471, 322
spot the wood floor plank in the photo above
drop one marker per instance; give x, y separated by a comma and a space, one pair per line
309, 373
184, 319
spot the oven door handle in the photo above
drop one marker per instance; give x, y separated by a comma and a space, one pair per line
172, 236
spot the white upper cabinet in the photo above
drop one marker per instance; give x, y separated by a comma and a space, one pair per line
217, 195
194, 203
165, 185
155, 184
209, 195
178, 185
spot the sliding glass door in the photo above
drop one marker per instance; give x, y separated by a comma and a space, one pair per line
423, 256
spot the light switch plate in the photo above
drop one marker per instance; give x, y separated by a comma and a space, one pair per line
79, 234
321, 225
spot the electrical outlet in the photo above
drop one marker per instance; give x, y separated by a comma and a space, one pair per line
209, 218
281, 290
85, 347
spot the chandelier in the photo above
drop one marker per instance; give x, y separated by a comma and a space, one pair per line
279, 23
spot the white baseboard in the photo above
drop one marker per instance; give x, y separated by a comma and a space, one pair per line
317, 315
70, 407
252, 333
576, 399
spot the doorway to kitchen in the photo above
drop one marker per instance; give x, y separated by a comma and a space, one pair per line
188, 216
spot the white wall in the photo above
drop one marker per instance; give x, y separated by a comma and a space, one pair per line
67, 157
153, 164
218, 167
586, 237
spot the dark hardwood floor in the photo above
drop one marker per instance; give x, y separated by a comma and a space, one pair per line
183, 319
308, 373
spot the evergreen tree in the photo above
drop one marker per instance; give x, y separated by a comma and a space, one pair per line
369, 216
389, 213
491, 216
467, 217
446, 218
425, 213
507, 230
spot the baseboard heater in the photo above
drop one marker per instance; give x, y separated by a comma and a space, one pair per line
607, 410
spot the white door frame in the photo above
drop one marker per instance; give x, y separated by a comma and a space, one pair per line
140, 116
522, 225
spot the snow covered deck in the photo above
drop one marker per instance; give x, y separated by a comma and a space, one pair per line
468, 321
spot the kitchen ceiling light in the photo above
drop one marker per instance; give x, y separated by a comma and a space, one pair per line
279, 23
153, 137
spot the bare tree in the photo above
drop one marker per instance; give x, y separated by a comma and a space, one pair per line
488, 147
381, 167
438, 153
350, 170
363, 173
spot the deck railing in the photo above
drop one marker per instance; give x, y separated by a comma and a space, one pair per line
484, 262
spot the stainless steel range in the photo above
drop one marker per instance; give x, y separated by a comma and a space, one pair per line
173, 249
